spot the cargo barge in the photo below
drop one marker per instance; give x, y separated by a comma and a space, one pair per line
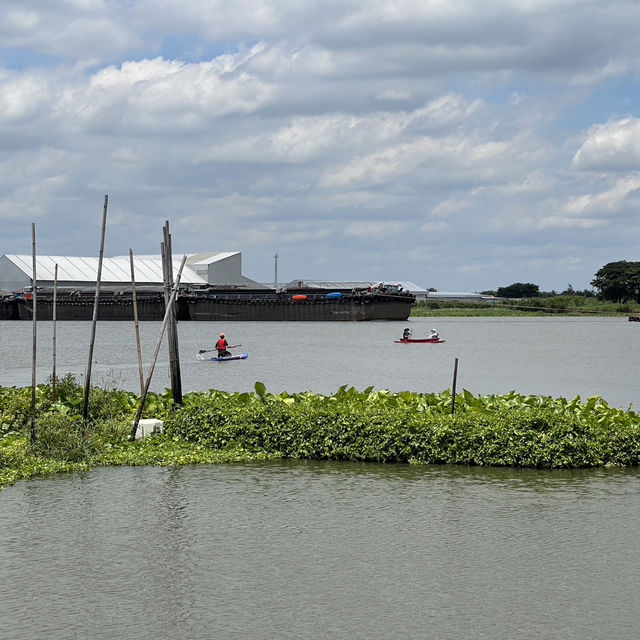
380, 302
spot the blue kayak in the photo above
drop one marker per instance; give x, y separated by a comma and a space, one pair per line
239, 356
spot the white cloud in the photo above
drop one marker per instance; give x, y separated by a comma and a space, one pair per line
451, 207
394, 95
22, 98
431, 227
370, 228
557, 222
614, 146
608, 201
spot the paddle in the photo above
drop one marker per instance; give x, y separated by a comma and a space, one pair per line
231, 346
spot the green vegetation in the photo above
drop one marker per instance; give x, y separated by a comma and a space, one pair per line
368, 426
574, 305
619, 281
519, 290
617, 292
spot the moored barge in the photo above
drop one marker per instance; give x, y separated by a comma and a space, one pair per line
227, 303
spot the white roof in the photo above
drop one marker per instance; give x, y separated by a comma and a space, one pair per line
194, 258
75, 269
208, 258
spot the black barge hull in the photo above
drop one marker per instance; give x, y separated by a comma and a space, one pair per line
220, 307
310, 310
110, 307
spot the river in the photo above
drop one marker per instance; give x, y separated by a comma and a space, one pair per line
548, 356
301, 550
324, 550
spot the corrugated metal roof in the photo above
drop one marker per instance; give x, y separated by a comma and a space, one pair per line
350, 284
78, 269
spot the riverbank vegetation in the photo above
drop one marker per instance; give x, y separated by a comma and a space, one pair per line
571, 305
368, 426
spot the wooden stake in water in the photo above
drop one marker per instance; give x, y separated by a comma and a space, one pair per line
34, 320
87, 384
53, 322
135, 320
172, 327
453, 388
167, 313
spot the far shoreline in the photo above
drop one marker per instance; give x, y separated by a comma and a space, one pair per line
565, 306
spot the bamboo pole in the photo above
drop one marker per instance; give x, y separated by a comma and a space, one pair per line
54, 313
34, 320
135, 320
167, 313
453, 388
87, 385
172, 328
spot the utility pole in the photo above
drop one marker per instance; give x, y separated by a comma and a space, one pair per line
275, 275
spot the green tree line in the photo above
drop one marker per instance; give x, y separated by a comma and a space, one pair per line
615, 282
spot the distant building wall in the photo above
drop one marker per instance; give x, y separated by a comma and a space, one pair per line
12, 278
221, 268
227, 271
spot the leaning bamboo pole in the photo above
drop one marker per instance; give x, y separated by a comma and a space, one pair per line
87, 384
135, 320
167, 313
34, 320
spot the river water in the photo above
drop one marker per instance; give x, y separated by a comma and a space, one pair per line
548, 356
299, 549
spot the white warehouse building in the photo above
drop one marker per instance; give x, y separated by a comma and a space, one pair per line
221, 268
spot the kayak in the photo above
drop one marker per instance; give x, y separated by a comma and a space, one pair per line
239, 356
420, 340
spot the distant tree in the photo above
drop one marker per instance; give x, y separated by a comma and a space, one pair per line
488, 293
570, 291
519, 290
618, 281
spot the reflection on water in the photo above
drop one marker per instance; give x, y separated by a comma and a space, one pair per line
321, 550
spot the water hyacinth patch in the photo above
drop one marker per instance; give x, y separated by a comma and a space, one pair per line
369, 426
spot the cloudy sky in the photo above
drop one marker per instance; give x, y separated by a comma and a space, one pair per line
458, 144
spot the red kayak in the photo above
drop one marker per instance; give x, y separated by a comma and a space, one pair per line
420, 340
